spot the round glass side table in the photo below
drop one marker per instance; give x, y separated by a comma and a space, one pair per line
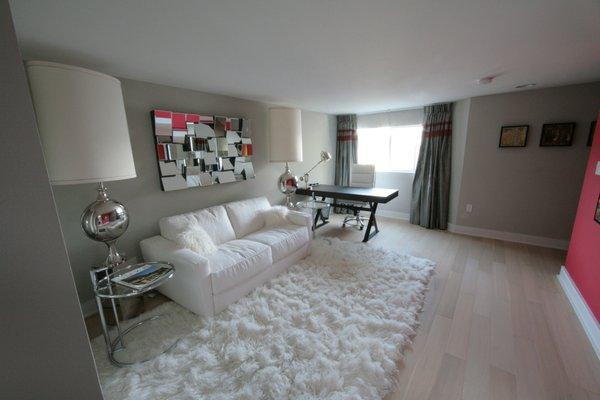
318, 209
105, 288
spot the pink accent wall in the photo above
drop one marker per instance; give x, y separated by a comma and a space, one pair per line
583, 257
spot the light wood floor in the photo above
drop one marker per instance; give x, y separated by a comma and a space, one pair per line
495, 324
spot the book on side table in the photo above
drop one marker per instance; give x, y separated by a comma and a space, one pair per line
141, 277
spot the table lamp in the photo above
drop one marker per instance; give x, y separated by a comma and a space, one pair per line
84, 134
285, 137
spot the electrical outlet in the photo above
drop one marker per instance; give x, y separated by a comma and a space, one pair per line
469, 208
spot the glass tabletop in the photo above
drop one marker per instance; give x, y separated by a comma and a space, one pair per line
109, 289
314, 204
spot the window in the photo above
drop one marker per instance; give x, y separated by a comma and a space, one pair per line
391, 149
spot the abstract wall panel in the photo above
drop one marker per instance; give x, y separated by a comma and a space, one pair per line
196, 150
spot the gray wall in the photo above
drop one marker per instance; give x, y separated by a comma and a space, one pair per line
460, 121
532, 190
143, 197
44, 347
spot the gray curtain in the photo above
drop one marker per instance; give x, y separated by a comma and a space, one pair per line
345, 153
345, 150
431, 186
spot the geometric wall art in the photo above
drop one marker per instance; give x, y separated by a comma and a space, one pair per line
195, 150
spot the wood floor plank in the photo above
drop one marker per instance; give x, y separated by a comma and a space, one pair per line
499, 252
590, 395
462, 253
570, 343
521, 320
469, 282
449, 381
487, 255
502, 336
477, 373
484, 293
501, 283
458, 343
530, 384
426, 370
436, 286
450, 296
408, 365
550, 363
503, 384
529, 279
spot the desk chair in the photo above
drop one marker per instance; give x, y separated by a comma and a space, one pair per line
361, 175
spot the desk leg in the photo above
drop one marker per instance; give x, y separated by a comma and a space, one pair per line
372, 223
319, 216
316, 221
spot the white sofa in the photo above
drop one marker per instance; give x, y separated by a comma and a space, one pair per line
248, 253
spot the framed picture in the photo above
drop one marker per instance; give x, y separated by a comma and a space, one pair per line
591, 134
513, 136
557, 134
597, 213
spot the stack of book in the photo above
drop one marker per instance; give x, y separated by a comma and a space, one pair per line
141, 277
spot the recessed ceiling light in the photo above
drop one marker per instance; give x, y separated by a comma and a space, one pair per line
525, 85
486, 80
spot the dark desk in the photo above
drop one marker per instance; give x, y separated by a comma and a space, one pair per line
373, 196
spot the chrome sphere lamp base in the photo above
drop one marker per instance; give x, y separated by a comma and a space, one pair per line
105, 220
288, 183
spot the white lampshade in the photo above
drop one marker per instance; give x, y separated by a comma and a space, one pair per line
285, 133
82, 124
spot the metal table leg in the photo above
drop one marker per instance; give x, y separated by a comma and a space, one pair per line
113, 346
372, 222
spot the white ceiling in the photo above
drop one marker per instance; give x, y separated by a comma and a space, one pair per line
333, 56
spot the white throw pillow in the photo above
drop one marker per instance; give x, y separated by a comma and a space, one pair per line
195, 238
275, 216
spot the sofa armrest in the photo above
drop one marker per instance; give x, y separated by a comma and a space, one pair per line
190, 286
300, 218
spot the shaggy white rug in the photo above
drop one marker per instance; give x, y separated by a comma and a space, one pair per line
332, 327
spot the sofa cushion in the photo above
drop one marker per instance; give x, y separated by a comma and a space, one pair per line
213, 220
275, 216
237, 261
246, 215
283, 240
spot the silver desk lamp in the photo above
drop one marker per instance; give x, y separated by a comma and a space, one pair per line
325, 156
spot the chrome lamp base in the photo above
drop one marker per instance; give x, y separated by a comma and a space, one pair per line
105, 220
288, 183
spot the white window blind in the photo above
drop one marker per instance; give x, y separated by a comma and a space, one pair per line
390, 148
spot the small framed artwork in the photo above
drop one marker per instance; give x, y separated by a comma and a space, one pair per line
513, 136
597, 213
591, 134
557, 134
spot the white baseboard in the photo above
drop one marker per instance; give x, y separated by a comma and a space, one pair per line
582, 310
509, 236
89, 308
393, 214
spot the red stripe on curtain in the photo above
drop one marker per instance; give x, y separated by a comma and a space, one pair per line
443, 132
432, 124
344, 138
